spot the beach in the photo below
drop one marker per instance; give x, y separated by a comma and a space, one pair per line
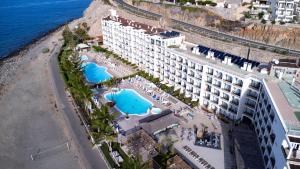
36, 121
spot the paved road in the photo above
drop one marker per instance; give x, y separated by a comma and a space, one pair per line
91, 157
211, 33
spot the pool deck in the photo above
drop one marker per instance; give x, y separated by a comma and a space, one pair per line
114, 67
217, 158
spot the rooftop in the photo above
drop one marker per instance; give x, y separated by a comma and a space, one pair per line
287, 99
136, 25
291, 63
177, 163
156, 123
233, 69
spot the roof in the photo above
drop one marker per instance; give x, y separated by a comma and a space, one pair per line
136, 25
290, 63
82, 46
287, 100
162, 122
177, 163
155, 116
237, 60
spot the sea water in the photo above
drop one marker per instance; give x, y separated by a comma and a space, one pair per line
21, 21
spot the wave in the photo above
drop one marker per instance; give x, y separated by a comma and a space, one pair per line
38, 4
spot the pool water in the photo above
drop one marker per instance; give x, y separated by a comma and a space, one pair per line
95, 73
84, 58
129, 101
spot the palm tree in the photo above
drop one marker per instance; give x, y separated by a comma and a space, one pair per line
134, 163
101, 119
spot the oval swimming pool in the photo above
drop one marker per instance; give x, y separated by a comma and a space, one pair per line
129, 101
95, 73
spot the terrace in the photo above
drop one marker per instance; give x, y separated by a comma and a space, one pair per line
140, 143
237, 60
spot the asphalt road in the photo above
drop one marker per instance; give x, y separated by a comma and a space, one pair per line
211, 33
89, 155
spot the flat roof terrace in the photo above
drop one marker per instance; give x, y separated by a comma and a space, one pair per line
233, 69
287, 100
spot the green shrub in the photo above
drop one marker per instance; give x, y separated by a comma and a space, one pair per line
116, 146
261, 15
247, 14
105, 149
45, 50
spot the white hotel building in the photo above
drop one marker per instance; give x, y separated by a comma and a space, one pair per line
281, 10
223, 83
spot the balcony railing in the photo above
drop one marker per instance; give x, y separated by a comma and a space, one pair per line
232, 110
248, 113
206, 96
224, 106
217, 84
250, 105
216, 93
254, 86
225, 97
252, 96
236, 93
235, 102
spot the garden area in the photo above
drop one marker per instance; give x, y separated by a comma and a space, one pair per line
100, 119
70, 65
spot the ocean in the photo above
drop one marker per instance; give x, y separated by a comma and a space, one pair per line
22, 21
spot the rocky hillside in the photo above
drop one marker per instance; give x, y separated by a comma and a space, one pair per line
273, 34
277, 35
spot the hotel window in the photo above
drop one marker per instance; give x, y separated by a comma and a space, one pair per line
152, 41
158, 42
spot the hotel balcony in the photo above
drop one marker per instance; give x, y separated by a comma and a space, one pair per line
209, 80
232, 110
225, 97
199, 69
190, 73
217, 84
228, 80
238, 83
197, 85
178, 66
224, 106
179, 60
190, 82
254, 86
250, 105
248, 113
219, 75
252, 95
216, 101
207, 96
191, 66
198, 77
210, 72
208, 88
217, 93
226, 89
237, 93
235, 102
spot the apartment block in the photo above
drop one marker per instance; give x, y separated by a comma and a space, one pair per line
281, 10
224, 84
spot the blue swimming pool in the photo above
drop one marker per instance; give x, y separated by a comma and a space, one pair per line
95, 73
129, 101
84, 58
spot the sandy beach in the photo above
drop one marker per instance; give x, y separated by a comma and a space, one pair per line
33, 124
